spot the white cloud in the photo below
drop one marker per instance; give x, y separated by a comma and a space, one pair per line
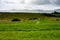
28, 5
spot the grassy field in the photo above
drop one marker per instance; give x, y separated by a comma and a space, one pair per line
47, 28
31, 30
30, 35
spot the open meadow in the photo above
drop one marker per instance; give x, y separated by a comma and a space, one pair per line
44, 30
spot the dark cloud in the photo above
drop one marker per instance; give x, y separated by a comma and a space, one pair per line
40, 2
58, 2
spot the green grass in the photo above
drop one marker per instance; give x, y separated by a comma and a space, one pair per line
31, 30
43, 29
31, 35
29, 26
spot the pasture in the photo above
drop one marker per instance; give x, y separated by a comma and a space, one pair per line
30, 31
48, 28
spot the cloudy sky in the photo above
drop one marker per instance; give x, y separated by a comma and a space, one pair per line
46, 5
